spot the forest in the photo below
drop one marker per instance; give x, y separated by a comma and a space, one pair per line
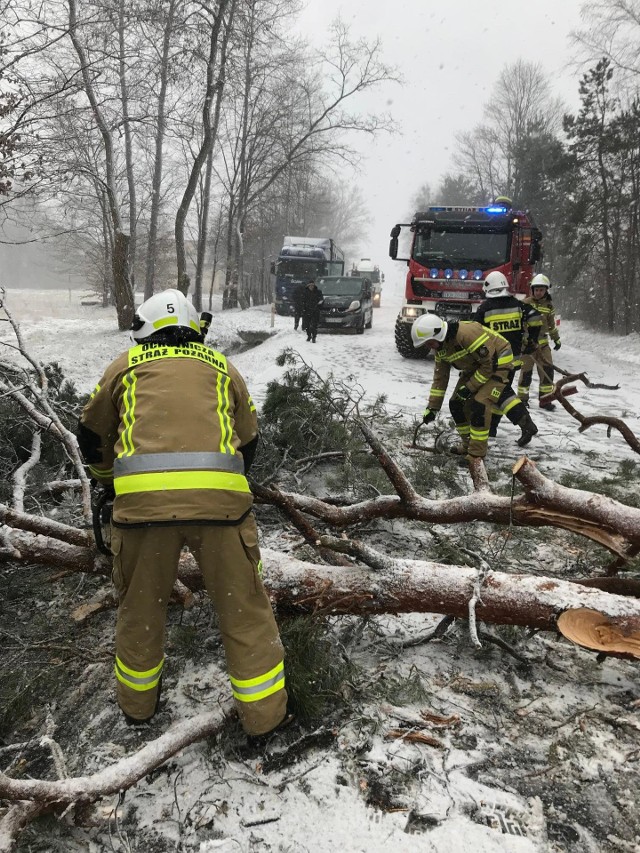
440, 686
159, 143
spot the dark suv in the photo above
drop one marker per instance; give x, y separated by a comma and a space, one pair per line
347, 303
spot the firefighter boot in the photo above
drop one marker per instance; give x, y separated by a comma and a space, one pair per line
132, 721
261, 743
529, 429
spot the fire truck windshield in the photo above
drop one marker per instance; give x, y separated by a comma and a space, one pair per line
473, 249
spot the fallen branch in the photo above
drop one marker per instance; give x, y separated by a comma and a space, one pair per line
544, 503
124, 773
586, 422
413, 736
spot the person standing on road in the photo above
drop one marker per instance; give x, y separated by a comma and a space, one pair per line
298, 305
172, 429
484, 360
510, 317
312, 300
537, 351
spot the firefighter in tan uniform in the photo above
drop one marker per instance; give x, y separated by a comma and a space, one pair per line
484, 360
537, 352
172, 427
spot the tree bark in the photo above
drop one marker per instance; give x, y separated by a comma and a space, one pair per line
214, 84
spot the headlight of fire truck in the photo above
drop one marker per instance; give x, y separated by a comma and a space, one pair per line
354, 305
410, 312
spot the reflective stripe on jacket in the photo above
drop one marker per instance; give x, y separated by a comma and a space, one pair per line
477, 352
170, 420
547, 319
511, 318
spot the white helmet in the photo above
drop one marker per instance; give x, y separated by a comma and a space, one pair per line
167, 310
540, 281
428, 327
495, 284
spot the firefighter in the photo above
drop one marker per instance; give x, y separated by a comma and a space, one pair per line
503, 313
172, 428
298, 305
311, 301
537, 351
484, 360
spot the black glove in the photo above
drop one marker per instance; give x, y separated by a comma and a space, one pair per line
463, 393
428, 416
557, 344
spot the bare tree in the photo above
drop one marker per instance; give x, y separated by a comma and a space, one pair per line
300, 117
612, 29
220, 22
520, 104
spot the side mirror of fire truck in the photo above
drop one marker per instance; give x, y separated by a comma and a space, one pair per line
393, 243
535, 254
272, 267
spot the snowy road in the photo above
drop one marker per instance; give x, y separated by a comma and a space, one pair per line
83, 339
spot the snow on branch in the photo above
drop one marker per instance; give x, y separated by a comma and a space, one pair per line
561, 392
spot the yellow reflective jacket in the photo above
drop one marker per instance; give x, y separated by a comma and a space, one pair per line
165, 424
477, 352
546, 320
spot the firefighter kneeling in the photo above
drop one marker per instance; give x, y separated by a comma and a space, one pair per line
484, 360
175, 434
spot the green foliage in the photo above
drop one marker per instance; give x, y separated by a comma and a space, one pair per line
621, 485
316, 668
302, 412
400, 689
305, 415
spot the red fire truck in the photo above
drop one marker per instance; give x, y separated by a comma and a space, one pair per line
452, 251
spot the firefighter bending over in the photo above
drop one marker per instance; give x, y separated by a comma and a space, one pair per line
503, 313
537, 352
484, 360
172, 427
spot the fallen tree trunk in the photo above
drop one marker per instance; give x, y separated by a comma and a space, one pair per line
397, 586
414, 586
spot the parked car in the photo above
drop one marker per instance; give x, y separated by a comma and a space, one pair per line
347, 303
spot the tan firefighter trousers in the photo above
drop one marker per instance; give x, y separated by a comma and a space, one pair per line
145, 567
542, 359
472, 416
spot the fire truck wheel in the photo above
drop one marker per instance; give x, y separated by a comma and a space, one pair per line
404, 344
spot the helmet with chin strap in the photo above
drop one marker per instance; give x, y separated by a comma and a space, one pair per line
495, 284
164, 312
428, 327
540, 281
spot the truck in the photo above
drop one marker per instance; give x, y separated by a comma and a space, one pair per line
366, 269
301, 259
453, 248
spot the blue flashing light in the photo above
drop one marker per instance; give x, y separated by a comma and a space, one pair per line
433, 272
448, 273
477, 274
463, 274
496, 209
437, 209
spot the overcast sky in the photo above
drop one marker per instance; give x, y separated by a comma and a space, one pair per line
450, 55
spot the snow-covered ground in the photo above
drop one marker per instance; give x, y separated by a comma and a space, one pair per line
467, 797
